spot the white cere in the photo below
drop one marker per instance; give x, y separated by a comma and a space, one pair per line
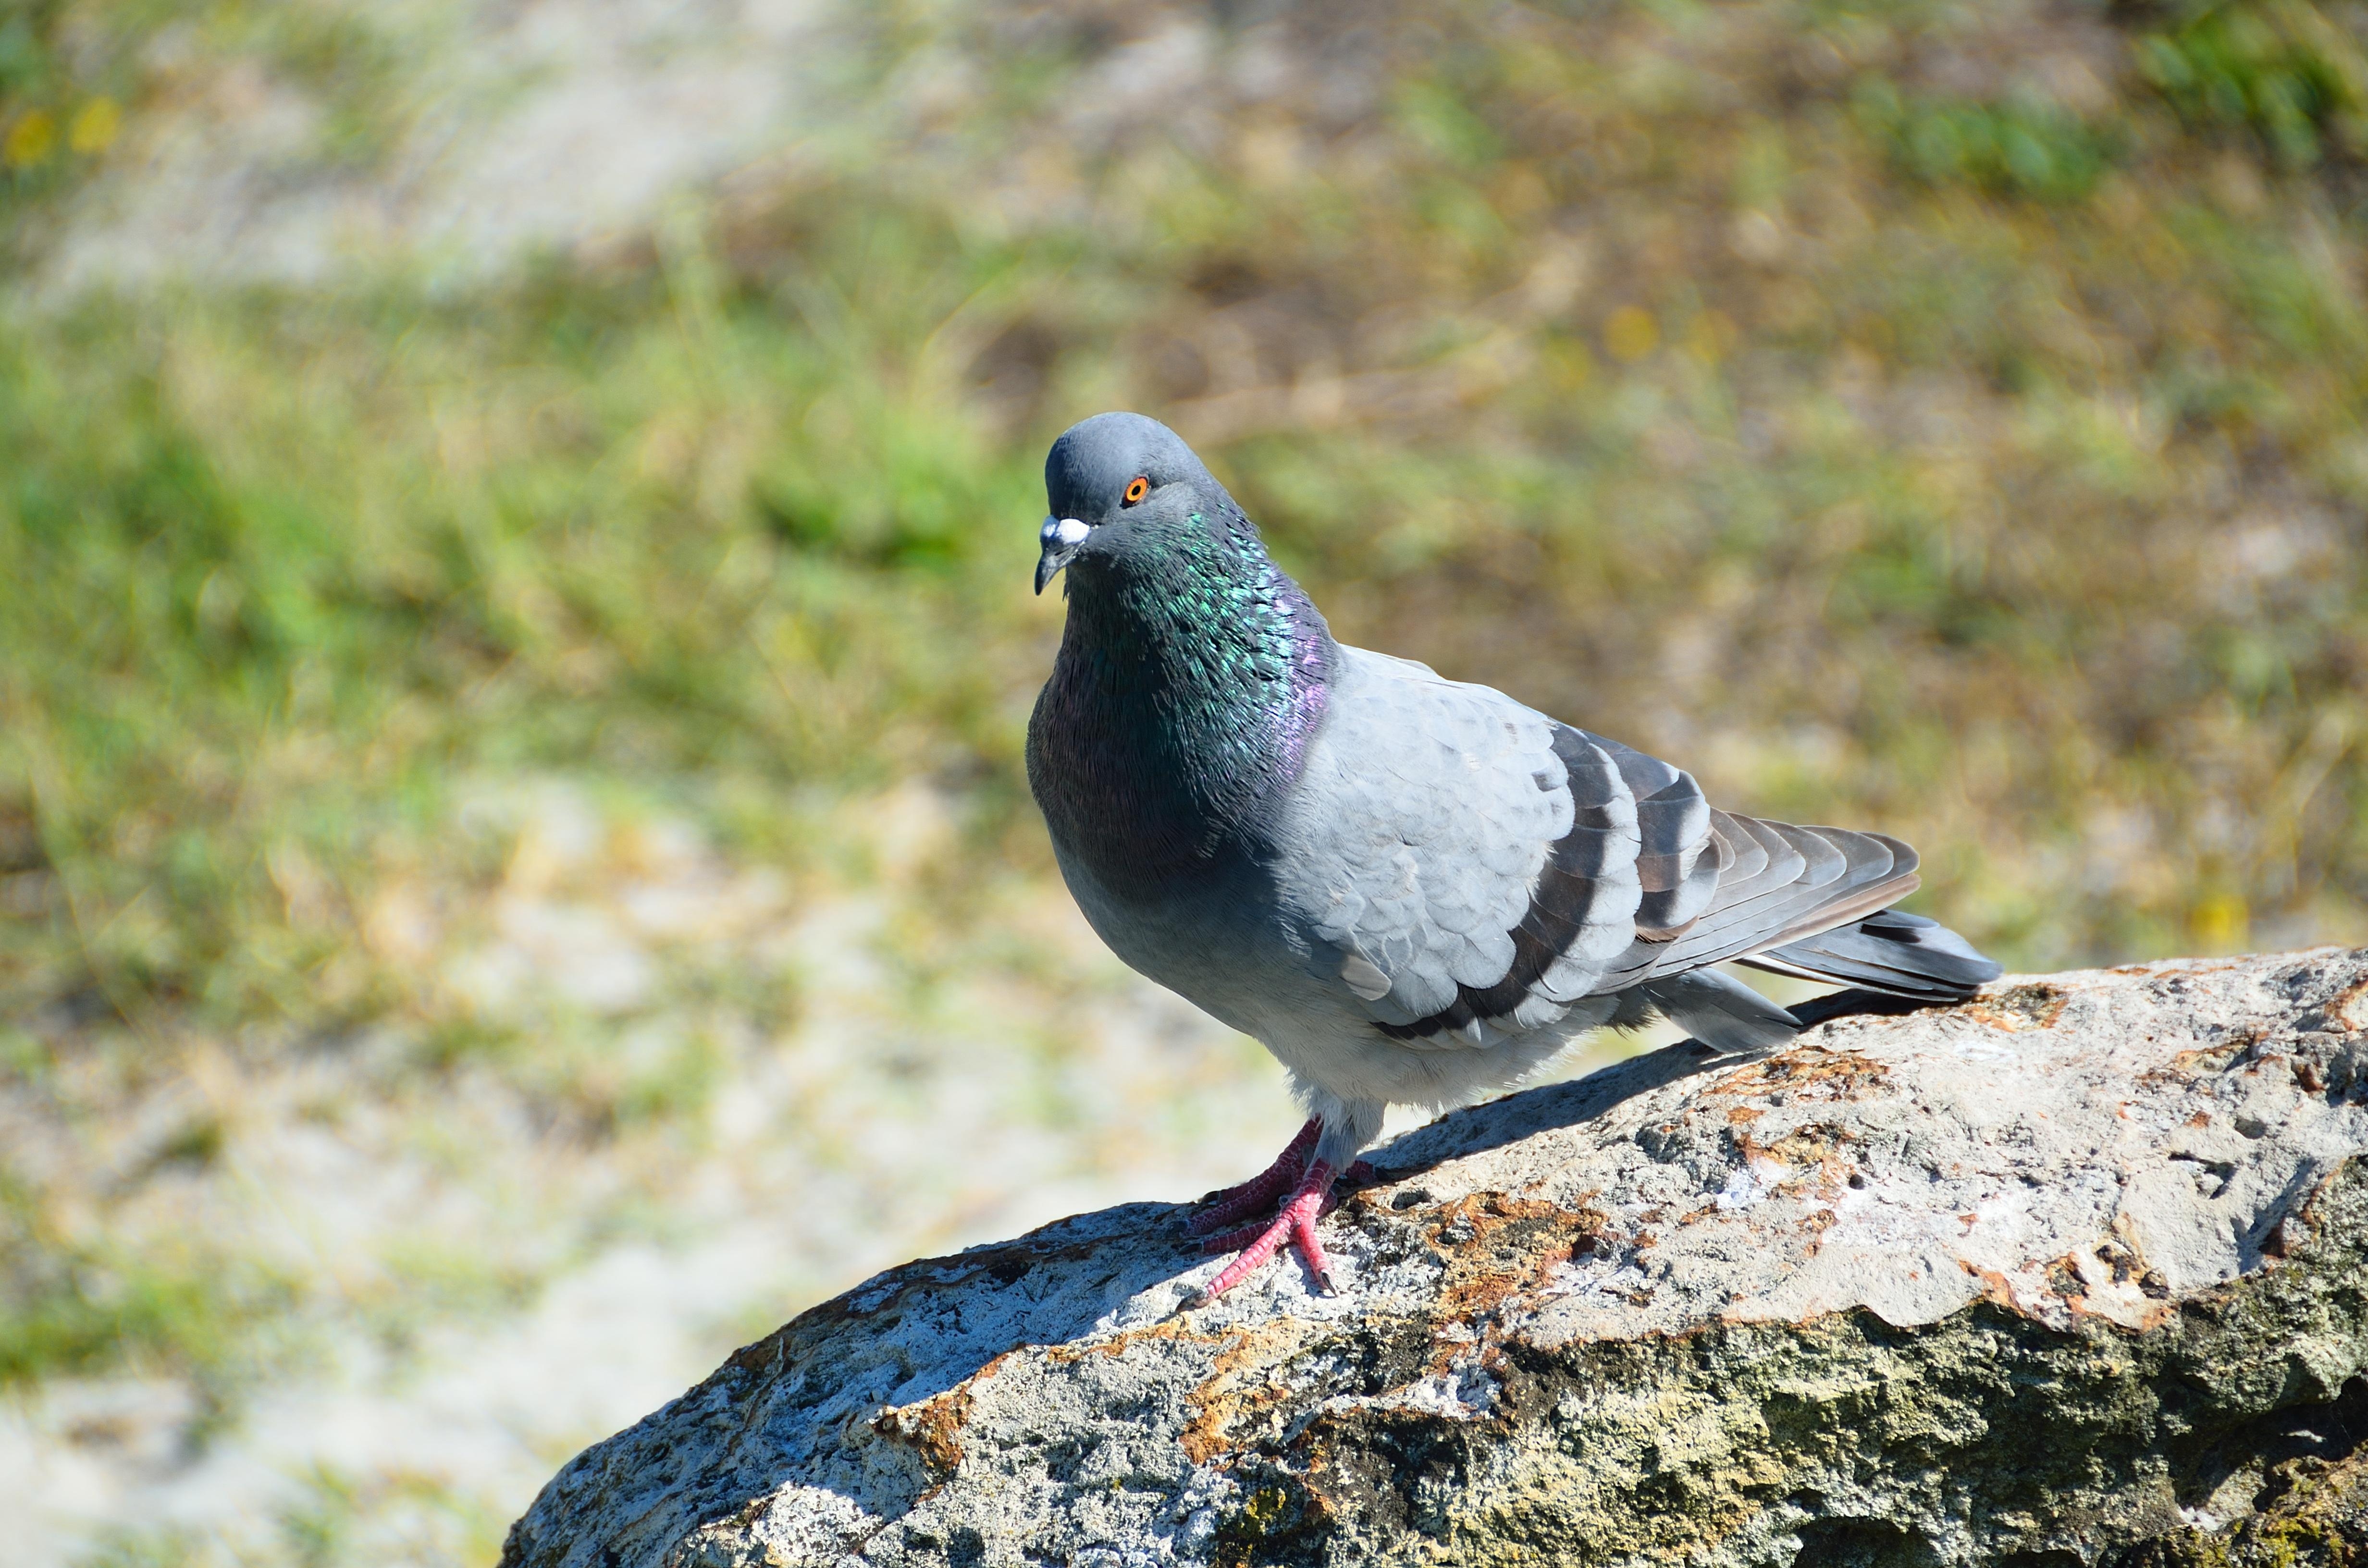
1064, 530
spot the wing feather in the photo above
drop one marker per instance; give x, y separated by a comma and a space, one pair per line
1673, 826
1476, 879
1840, 875
1467, 868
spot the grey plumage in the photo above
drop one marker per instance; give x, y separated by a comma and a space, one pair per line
1410, 889
1474, 872
1892, 950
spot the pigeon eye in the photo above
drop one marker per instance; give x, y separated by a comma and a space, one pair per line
1137, 490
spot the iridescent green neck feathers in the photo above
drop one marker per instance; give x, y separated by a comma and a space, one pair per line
1191, 674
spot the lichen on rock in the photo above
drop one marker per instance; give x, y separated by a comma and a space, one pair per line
2073, 1273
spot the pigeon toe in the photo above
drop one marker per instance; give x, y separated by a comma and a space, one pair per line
1294, 1223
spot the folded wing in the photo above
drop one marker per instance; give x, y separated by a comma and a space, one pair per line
1469, 868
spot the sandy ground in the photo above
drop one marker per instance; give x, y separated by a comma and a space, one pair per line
511, 128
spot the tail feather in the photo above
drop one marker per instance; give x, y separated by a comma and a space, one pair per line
1719, 1010
1891, 951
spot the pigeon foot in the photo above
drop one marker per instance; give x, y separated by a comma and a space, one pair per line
1229, 1206
1305, 1195
1233, 1204
1295, 1222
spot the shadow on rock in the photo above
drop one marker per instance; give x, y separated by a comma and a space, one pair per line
1505, 1121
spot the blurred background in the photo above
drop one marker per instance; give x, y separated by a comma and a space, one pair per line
516, 517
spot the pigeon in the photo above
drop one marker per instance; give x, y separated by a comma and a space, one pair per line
1412, 890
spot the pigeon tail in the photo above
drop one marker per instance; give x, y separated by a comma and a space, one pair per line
1720, 1010
1890, 951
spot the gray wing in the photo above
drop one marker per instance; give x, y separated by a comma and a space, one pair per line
1773, 883
1469, 868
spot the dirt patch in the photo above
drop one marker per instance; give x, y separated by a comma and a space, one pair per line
2017, 1008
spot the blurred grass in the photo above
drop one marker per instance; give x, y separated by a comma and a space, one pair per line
1903, 415
305, 561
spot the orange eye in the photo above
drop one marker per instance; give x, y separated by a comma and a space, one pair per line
1137, 490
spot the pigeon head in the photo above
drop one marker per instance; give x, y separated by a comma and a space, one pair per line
1112, 480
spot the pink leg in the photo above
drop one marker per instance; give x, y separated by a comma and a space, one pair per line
1359, 1173
1237, 1203
1296, 1222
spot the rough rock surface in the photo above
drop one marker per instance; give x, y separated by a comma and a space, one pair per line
2076, 1272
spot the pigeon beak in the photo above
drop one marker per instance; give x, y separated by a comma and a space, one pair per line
1060, 539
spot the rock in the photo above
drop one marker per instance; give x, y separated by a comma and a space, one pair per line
2074, 1273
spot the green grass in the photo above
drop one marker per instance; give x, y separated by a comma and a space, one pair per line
307, 562
75, 1306
2294, 77
1949, 460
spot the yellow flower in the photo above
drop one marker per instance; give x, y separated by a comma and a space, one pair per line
1630, 333
95, 126
2219, 921
29, 139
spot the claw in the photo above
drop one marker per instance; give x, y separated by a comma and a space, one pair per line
1296, 1224
1304, 1185
1243, 1235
